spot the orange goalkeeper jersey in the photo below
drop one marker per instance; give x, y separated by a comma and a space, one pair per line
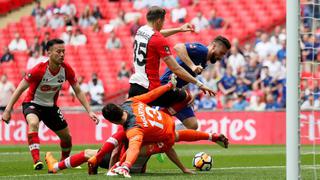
147, 125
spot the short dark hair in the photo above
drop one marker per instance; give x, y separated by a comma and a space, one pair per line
112, 112
52, 42
223, 41
154, 13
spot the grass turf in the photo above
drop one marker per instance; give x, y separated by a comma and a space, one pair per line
237, 162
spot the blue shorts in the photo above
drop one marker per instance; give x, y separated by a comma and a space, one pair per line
185, 113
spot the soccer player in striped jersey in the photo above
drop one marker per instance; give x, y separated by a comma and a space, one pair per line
150, 45
44, 82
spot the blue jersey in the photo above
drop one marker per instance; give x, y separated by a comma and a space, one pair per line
198, 54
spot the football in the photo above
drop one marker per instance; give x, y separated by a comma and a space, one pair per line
202, 161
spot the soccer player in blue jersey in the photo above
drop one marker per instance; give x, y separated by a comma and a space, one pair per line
194, 57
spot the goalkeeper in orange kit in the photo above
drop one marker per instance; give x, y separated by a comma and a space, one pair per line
154, 129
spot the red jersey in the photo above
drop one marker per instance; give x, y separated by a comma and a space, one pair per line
149, 47
44, 85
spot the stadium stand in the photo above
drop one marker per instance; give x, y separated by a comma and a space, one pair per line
244, 16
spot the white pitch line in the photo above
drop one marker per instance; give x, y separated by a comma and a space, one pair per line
214, 169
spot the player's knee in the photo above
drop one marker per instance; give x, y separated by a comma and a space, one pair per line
33, 126
33, 122
191, 124
88, 153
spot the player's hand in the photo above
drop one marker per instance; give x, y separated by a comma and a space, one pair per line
188, 171
6, 116
186, 27
206, 90
197, 69
94, 117
111, 171
123, 170
173, 81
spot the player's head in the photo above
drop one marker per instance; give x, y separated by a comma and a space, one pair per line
113, 113
218, 48
156, 16
55, 48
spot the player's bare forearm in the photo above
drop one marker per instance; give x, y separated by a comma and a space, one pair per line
81, 96
172, 155
169, 32
184, 28
182, 53
180, 72
153, 94
23, 85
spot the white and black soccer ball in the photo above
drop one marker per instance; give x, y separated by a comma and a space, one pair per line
202, 161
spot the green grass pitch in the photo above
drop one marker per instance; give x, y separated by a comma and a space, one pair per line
237, 162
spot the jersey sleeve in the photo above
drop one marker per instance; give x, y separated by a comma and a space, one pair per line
70, 74
162, 46
135, 137
195, 50
35, 74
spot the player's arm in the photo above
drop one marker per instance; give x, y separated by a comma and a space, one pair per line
23, 85
135, 137
184, 28
153, 95
184, 75
71, 77
171, 153
83, 100
182, 53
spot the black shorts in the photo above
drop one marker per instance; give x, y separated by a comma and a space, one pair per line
51, 116
165, 100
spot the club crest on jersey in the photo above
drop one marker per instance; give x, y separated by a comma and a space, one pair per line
60, 79
192, 46
167, 49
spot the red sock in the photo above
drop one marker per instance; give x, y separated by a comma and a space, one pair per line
34, 145
65, 149
73, 161
110, 143
192, 135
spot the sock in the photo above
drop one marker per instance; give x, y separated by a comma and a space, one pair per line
65, 149
72, 161
34, 145
110, 143
193, 135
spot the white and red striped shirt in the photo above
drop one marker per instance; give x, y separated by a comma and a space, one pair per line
149, 47
44, 85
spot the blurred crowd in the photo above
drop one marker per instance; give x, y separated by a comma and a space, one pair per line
251, 77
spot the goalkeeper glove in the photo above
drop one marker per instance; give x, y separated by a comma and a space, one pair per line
111, 171
124, 170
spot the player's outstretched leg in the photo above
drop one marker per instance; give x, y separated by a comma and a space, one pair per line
107, 147
70, 162
192, 135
